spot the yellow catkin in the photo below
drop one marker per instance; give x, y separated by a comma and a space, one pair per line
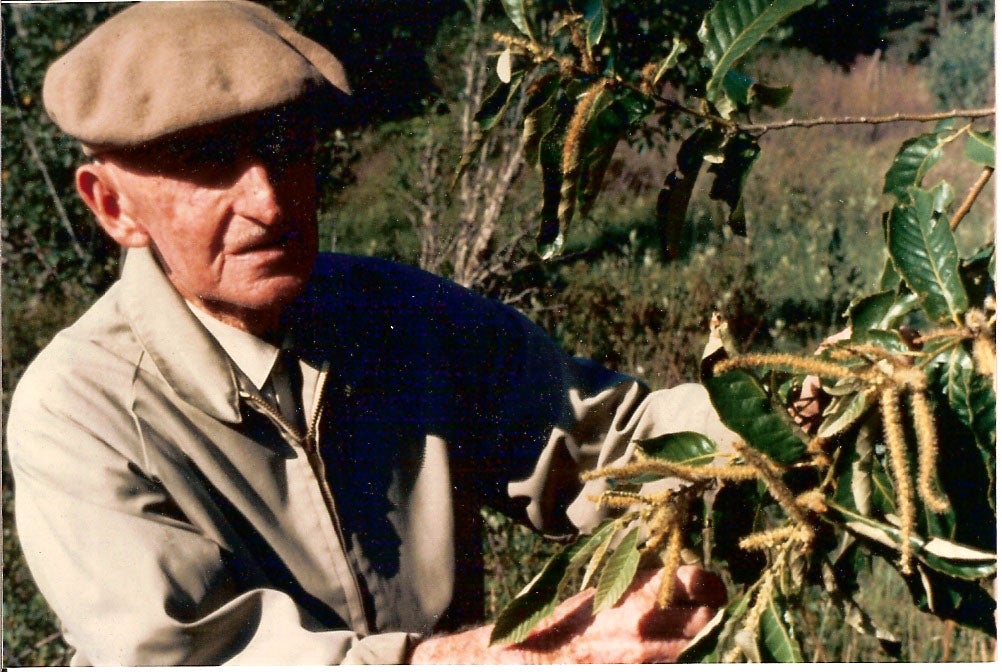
928, 448
767, 539
672, 560
622, 500
581, 44
984, 357
894, 436
652, 467
909, 377
775, 485
816, 449
647, 78
576, 128
812, 500
796, 362
949, 332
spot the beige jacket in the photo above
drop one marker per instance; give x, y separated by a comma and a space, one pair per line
170, 516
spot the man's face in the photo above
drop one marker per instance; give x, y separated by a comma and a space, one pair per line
230, 212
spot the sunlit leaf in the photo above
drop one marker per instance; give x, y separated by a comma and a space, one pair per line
744, 406
536, 601
914, 159
689, 448
980, 148
618, 573
732, 27
925, 254
843, 412
778, 643
945, 556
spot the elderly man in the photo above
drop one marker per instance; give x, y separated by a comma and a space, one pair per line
247, 452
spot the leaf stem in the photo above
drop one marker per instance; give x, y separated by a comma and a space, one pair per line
972, 196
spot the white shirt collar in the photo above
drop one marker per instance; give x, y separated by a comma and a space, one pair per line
252, 355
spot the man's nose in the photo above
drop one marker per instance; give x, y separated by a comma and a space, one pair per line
257, 197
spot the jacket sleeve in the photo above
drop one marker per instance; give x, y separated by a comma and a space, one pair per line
132, 582
585, 416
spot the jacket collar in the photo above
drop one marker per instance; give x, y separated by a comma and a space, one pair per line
182, 349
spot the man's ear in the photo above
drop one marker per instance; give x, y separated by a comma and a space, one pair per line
99, 191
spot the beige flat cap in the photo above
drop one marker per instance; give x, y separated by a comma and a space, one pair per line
161, 67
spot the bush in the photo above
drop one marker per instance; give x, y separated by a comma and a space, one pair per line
960, 64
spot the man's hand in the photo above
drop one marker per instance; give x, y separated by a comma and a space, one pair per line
634, 631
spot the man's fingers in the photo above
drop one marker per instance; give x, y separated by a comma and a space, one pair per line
696, 585
675, 622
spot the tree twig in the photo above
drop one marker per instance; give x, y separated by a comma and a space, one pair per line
972, 196
880, 119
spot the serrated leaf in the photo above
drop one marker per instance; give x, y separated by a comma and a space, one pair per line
732, 27
887, 339
744, 406
743, 90
618, 573
676, 192
778, 643
959, 561
924, 252
916, 156
515, 9
496, 103
843, 412
690, 448
550, 238
601, 548
883, 310
980, 148
536, 601
740, 153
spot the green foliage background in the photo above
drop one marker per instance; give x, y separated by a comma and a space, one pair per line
813, 205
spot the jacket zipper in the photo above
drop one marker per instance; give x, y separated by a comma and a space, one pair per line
310, 442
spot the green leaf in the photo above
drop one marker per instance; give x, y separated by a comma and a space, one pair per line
944, 556
843, 412
925, 254
618, 573
778, 642
732, 27
740, 154
604, 540
883, 310
912, 162
594, 13
690, 448
536, 601
744, 90
676, 192
980, 148
550, 239
678, 48
744, 406
496, 103
515, 9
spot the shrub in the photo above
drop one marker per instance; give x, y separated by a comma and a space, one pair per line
960, 64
